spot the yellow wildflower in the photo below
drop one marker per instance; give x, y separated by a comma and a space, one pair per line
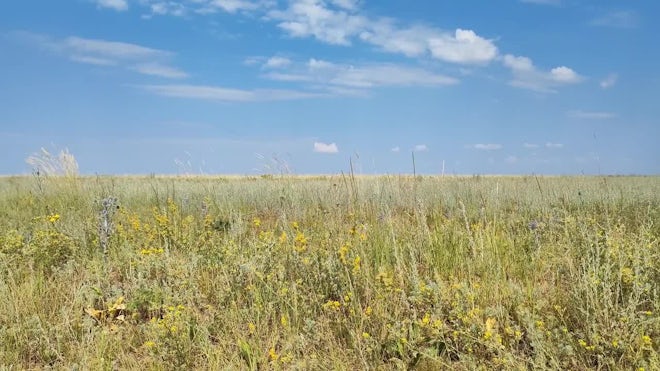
356, 265
53, 218
646, 341
366, 335
273, 355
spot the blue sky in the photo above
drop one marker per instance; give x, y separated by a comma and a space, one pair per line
251, 87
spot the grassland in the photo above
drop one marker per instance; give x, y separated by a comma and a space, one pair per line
333, 272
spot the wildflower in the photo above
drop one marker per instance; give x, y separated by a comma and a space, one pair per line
490, 325
272, 355
283, 237
646, 341
615, 344
343, 251
149, 344
53, 218
300, 242
256, 222
368, 311
332, 304
284, 321
426, 319
251, 328
365, 335
403, 341
356, 265
295, 225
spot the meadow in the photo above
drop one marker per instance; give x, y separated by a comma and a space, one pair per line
331, 272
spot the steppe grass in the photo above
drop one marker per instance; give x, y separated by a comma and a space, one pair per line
332, 272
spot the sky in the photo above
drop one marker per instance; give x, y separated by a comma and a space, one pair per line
317, 86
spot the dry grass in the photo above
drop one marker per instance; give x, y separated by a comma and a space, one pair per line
331, 272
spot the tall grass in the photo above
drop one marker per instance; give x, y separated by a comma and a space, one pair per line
333, 272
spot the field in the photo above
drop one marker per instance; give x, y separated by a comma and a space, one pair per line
334, 272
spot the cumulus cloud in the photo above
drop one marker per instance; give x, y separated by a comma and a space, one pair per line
118, 5
553, 145
527, 76
464, 46
530, 145
321, 147
420, 148
336, 24
395, 149
487, 147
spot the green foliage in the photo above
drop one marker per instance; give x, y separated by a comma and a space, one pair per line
326, 272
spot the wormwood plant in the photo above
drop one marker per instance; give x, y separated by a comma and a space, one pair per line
108, 207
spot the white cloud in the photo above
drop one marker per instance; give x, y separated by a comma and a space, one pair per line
336, 25
396, 149
92, 60
232, 6
420, 148
564, 74
328, 75
168, 8
305, 18
156, 69
321, 147
277, 62
487, 147
216, 93
527, 76
530, 145
118, 5
553, 145
617, 19
593, 115
109, 49
464, 47
609, 81
134, 57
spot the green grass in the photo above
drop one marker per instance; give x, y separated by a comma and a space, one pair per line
331, 273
